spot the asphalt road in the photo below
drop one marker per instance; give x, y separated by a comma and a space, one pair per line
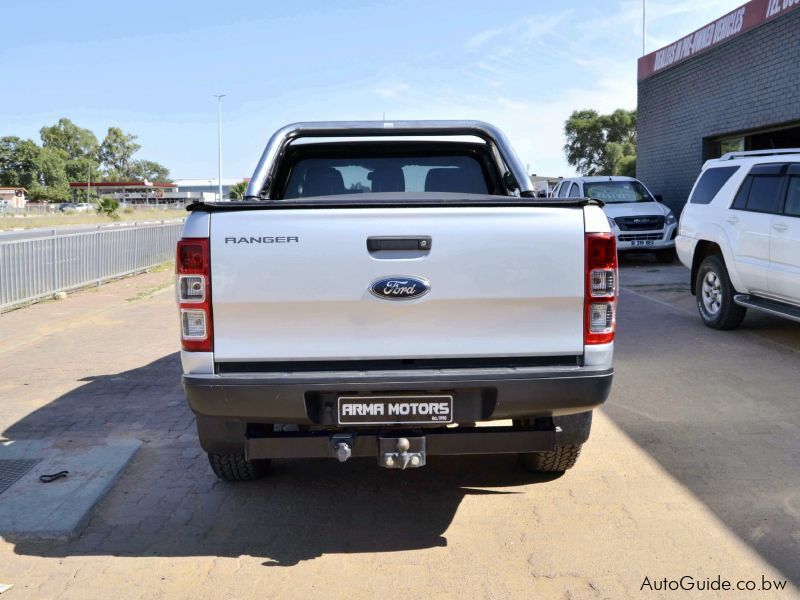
43, 232
691, 470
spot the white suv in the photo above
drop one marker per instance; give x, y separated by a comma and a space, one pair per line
636, 216
740, 236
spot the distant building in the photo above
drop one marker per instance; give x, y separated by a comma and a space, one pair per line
180, 191
207, 186
13, 197
732, 85
127, 192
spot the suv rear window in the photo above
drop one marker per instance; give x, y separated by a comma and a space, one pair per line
371, 174
710, 183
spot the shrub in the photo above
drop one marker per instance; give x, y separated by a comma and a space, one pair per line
108, 207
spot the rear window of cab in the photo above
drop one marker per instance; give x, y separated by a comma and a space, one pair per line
710, 183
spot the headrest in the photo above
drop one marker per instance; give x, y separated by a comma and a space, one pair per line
323, 181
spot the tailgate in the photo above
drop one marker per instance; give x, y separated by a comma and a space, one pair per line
295, 284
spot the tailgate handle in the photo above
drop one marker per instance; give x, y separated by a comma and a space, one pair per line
399, 243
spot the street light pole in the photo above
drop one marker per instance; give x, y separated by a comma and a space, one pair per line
644, 27
219, 98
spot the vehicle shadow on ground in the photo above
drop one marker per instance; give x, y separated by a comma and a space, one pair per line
719, 411
168, 503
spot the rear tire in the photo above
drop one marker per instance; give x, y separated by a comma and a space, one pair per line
556, 461
235, 467
714, 294
666, 256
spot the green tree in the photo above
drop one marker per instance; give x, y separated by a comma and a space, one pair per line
77, 146
18, 162
51, 168
81, 169
116, 151
40, 170
627, 166
71, 153
76, 142
150, 170
601, 144
238, 191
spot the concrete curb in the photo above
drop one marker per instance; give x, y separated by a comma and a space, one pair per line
32, 510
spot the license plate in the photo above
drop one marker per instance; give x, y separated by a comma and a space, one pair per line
395, 410
642, 243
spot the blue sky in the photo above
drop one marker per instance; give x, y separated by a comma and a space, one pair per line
152, 67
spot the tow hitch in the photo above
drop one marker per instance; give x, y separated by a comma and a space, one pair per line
342, 446
408, 449
401, 453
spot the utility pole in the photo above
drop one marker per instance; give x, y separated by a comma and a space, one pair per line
219, 98
644, 27
89, 183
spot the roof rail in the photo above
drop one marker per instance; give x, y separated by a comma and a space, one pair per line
259, 185
746, 153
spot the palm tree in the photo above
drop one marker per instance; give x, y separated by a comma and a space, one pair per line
238, 190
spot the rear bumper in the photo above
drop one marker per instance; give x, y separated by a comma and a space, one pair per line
479, 394
440, 442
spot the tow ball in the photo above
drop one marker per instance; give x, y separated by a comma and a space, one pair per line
401, 453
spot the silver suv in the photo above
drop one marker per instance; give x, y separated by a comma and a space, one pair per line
637, 217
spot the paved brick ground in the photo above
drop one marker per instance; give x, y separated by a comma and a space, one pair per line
100, 364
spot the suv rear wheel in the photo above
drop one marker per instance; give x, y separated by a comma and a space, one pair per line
715, 295
235, 467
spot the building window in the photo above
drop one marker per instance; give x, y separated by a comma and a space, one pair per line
734, 144
785, 136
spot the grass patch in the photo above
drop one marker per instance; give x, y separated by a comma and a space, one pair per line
61, 219
149, 292
167, 266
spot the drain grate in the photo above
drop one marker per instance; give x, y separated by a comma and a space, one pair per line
13, 470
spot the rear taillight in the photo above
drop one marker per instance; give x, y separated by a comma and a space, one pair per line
601, 288
193, 288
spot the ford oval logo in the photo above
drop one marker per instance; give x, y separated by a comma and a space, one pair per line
400, 288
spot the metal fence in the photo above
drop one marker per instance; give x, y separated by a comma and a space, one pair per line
34, 269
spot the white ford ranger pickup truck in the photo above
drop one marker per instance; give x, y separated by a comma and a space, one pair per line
382, 288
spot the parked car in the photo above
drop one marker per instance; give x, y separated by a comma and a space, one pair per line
379, 298
85, 207
638, 218
740, 236
67, 206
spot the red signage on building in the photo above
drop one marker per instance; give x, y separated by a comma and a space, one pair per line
737, 21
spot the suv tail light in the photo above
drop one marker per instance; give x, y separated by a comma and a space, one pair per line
193, 288
601, 288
